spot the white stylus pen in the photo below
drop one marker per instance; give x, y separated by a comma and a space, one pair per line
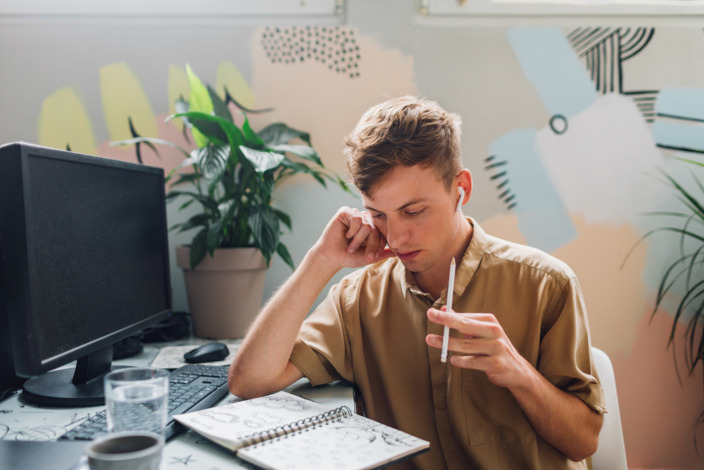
448, 308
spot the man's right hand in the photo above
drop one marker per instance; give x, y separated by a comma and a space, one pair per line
351, 240
262, 364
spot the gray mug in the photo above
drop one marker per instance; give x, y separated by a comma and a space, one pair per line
126, 451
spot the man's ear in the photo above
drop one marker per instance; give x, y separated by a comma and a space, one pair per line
464, 182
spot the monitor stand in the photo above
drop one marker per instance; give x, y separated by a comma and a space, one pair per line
82, 386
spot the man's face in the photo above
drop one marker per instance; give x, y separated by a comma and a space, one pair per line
416, 214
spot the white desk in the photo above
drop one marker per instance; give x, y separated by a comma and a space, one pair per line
20, 421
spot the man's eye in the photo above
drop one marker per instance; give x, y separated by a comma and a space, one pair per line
377, 216
416, 212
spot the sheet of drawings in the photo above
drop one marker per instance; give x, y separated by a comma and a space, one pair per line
235, 421
352, 443
22, 422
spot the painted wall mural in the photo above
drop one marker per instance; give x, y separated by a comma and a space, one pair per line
127, 109
600, 152
594, 154
579, 187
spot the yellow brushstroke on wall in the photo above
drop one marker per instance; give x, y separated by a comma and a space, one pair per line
177, 88
228, 75
123, 96
64, 121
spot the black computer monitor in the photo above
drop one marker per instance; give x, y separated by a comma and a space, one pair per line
84, 254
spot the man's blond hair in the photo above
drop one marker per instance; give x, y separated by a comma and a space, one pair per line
403, 131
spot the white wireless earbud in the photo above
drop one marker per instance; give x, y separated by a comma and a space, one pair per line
459, 202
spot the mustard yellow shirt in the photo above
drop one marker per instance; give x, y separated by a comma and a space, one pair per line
371, 328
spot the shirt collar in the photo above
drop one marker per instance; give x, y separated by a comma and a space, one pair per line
408, 282
471, 259
465, 270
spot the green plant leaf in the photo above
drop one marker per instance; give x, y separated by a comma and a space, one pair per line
344, 185
219, 130
251, 139
208, 203
175, 193
690, 200
219, 106
199, 101
181, 108
265, 230
229, 99
279, 133
151, 140
283, 217
186, 204
206, 126
285, 255
200, 98
214, 236
198, 248
212, 160
302, 151
228, 211
261, 160
186, 178
198, 220
296, 167
693, 162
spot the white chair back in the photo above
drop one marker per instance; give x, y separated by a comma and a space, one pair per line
611, 453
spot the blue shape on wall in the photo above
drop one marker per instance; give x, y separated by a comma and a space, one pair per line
682, 128
542, 216
550, 64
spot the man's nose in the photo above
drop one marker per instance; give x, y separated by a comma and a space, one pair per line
397, 234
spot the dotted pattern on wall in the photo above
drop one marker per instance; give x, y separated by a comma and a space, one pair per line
333, 46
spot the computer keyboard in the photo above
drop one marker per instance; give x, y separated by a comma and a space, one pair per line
191, 387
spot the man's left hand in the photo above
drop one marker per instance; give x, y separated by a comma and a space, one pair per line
482, 345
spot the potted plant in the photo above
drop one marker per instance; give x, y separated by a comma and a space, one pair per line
684, 275
234, 173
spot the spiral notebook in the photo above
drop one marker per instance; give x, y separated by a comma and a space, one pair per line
284, 431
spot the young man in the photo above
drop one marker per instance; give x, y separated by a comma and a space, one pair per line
519, 390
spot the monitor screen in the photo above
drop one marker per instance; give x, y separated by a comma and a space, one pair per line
85, 258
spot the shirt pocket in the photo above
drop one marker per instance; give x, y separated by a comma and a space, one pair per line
491, 414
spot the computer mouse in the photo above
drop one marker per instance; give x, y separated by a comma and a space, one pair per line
208, 352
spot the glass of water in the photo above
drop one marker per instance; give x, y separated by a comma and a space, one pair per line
136, 399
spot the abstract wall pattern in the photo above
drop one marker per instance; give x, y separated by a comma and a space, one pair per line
333, 46
597, 154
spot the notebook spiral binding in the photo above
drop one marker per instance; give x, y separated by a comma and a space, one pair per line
300, 425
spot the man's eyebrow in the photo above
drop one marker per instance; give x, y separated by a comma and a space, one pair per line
409, 203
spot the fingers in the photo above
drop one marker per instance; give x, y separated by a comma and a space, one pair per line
361, 233
469, 346
478, 325
480, 362
469, 353
351, 240
482, 345
376, 249
480, 333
